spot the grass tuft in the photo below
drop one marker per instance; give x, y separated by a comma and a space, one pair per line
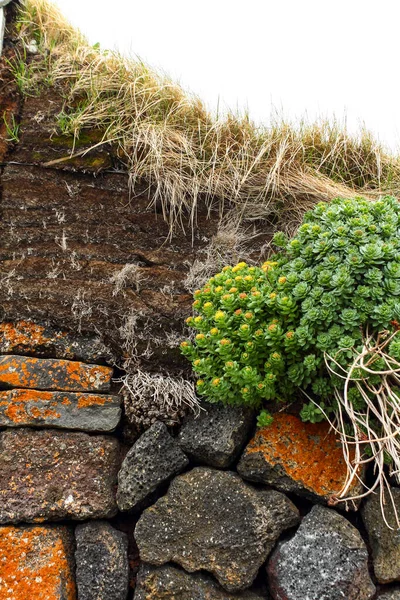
187, 156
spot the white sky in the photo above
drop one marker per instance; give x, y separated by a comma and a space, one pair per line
298, 57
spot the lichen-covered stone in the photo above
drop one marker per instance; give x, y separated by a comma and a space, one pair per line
170, 583
36, 562
385, 542
325, 560
29, 338
65, 410
101, 562
292, 456
212, 520
53, 374
153, 459
216, 435
48, 475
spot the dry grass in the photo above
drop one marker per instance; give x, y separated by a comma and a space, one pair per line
369, 435
150, 397
167, 138
226, 247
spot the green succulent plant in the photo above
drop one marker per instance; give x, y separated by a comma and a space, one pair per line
263, 331
321, 315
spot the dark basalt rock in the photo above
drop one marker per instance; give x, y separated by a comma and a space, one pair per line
170, 583
385, 542
295, 457
101, 557
216, 436
153, 460
48, 475
325, 560
212, 520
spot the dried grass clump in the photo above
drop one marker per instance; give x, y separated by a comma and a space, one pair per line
369, 435
168, 139
226, 247
150, 397
129, 275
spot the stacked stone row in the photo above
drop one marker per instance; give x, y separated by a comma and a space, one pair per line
216, 510
58, 462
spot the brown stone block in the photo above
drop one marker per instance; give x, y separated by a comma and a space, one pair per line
36, 563
53, 374
48, 475
292, 456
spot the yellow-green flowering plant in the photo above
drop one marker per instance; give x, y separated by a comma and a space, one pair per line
321, 316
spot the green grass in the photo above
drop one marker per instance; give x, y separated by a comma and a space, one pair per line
168, 139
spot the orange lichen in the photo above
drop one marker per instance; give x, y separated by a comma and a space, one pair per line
308, 453
92, 400
34, 564
24, 406
25, 333
16, 413
28, 372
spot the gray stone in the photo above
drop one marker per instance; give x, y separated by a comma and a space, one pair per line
102, 570
170, 583
325, 560
64, 410
391, 594
53, 374
212, 520
48, 475
39, 339
216, 436
385, 542
153, 460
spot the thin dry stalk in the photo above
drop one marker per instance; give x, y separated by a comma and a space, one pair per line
375, 427
169, 393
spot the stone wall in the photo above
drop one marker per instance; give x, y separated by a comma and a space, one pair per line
210, 508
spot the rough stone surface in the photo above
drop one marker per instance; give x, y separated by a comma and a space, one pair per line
212, 520
385, 542
170, 583
53, 374
48, 475
153, 459
216, 436
391, 594
325, 560
297, 457
68, 410
101, 562
36, 562
26, 337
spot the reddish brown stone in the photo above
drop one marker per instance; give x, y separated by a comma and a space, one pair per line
48, 475
293, 456
36, 562
68, 410
53, 374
